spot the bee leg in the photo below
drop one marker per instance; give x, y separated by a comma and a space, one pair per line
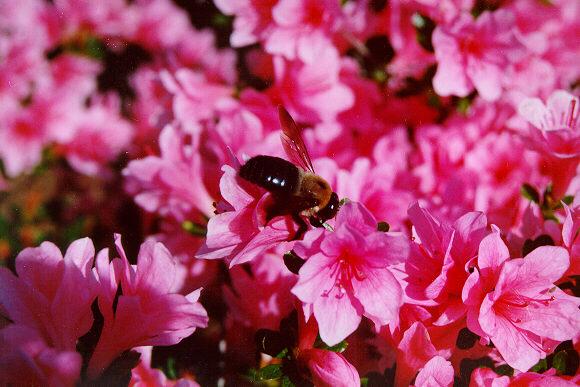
315, 221
302, 226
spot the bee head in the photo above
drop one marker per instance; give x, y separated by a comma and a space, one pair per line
317, 189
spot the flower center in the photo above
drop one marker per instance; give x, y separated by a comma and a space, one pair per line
343, 271
516, 307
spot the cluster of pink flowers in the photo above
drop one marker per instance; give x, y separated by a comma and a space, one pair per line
449, 129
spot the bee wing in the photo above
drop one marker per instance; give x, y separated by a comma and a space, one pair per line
292, 141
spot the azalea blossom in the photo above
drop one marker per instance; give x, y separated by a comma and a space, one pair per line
146, 312
347, 276
437, 372
435, 268
52, 294
240, 231
327, 368
474, 53
514, 303
554, 127
171, 183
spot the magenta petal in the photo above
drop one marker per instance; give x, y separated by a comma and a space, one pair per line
539, 269
274, 233
559, 320
331, 369
337, 316
512, 343
438, 372
155, 268
41, 267
492, 253
380, 294
356, 216
81, 252
315, 278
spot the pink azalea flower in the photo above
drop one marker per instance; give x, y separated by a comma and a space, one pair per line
554, 127
190, 272
266, 308
413, 352
436, 266
111, 18
438, 372
253, 19
52, 294
146, 313
327, 368
347, 274
499, 178
23, 133
22, 48
306, 84
145, 376
514, 303
369, 183
239, 232
194, 97
485, 377
555, 133
571, 238
100, 134
474, 54
26, 359
171, 184
298, 22
411, 60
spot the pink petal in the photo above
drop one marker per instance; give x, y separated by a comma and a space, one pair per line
357, 216
155, 268
338, 315
41, 267
559, 320
450, 78
330, 369
539, 269
513, 344
315, 278
438, 372
492, 253
533, 111
414, 351
81, 253
486, 77
380, 294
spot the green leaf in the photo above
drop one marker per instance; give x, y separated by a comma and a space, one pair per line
568, 199
283, 354
504, 369
559, 362
339, 348
530, 193
269, 372
383, 226
541, 366
195, 229
286, 382
170, 369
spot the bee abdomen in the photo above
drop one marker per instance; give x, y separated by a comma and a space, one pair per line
271, 173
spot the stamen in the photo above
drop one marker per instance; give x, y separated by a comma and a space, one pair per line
571, 120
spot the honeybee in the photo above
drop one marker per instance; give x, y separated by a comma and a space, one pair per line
295, 187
